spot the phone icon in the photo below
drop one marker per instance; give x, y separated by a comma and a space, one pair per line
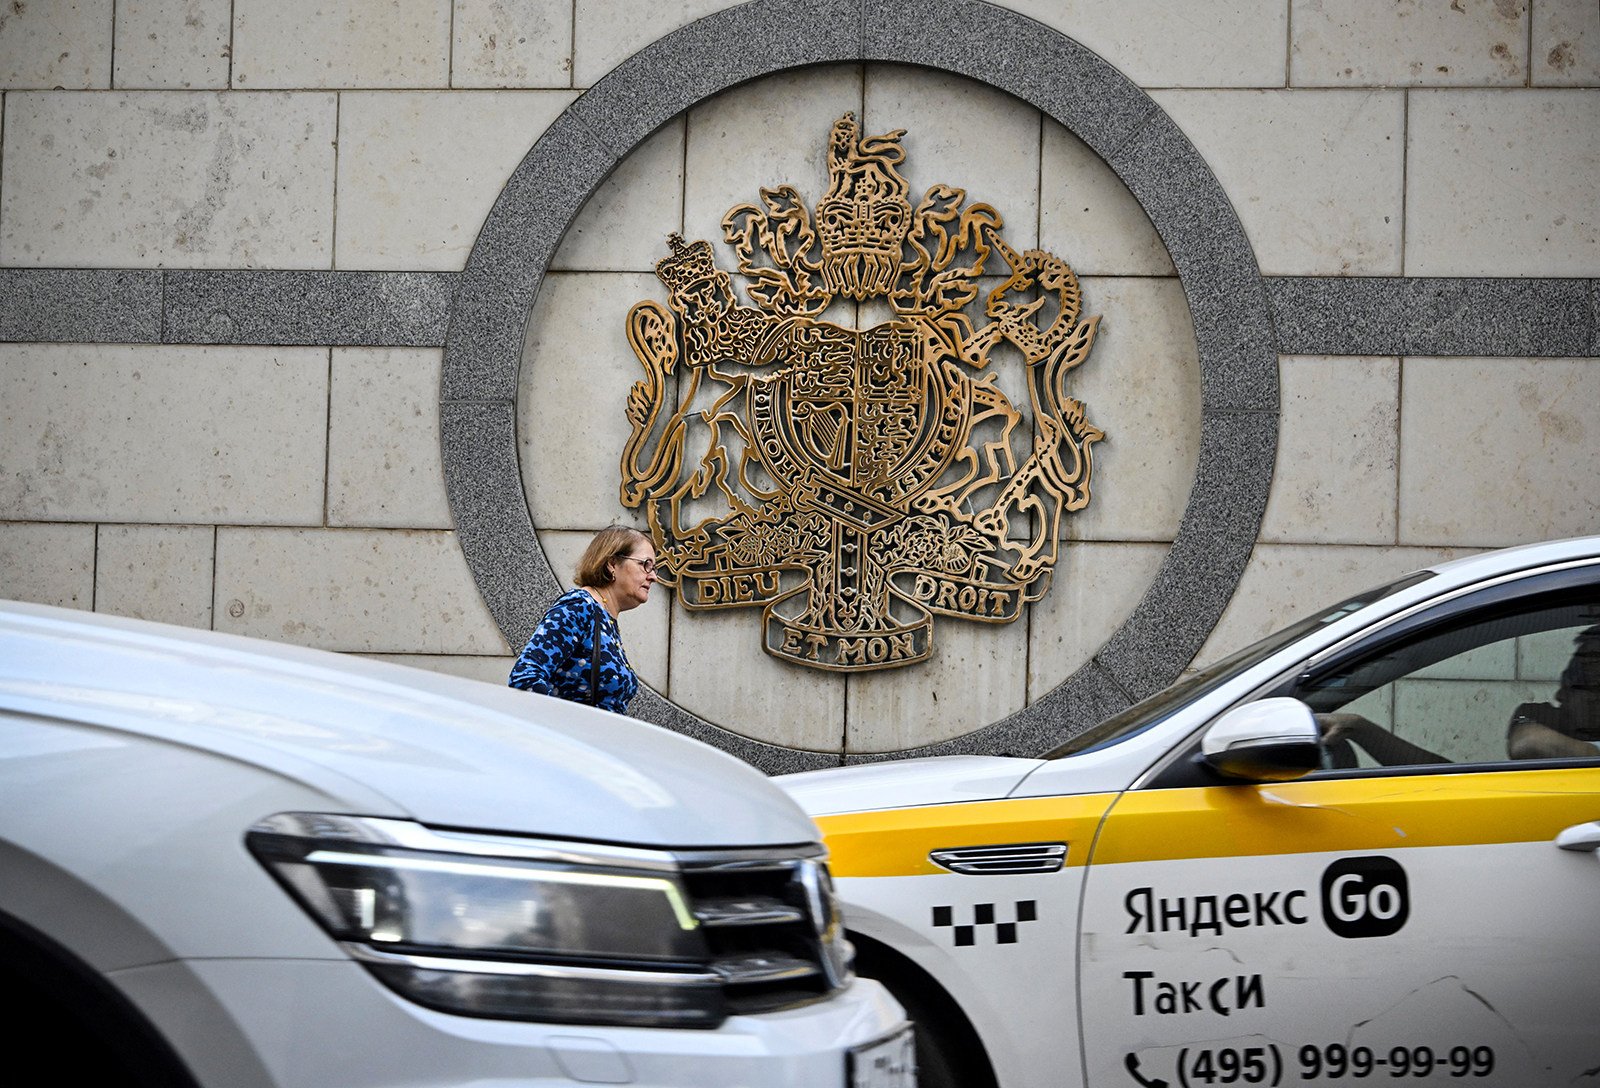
1132, 1064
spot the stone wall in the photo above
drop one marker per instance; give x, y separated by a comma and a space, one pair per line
207, 417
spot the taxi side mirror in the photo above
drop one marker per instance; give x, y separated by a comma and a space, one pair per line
1269, 740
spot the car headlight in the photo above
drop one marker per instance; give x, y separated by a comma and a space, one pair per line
506, 928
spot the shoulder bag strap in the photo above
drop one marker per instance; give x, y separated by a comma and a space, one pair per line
594, 662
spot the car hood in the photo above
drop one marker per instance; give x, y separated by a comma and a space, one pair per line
382, 739
935, 780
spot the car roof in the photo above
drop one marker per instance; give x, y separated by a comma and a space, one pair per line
1472, 568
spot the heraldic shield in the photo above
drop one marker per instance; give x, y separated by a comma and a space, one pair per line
856, 483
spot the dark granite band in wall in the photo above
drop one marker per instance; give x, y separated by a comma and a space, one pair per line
1519, 318
225, 306
389, 309
80, 305
1312, 315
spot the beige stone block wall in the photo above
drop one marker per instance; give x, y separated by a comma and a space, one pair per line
367, 590
1498, 451
1337, 474
162, 434
1493, 661
1462, 720
1544, 656
1401, 43
962, 130
160, 179
577, 370
354, 43
384, 466
47, 564
63, 43
719, 671
512, 43
182, 44
1317, 177
1095, 587
419, 170
770, 132
1460, 707
1156, 43
1141, 386
1566, 44
1503, 184
155, 572
978, 673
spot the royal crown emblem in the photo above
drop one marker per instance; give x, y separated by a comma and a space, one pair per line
853, 483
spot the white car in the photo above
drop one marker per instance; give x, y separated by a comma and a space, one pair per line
231, 864
1361, 851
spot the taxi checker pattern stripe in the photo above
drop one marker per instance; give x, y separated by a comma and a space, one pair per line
1341, 815
896, 842
1388, 813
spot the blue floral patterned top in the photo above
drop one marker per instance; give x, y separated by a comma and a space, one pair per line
556, 659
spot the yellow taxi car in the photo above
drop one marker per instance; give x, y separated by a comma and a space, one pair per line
1360, 851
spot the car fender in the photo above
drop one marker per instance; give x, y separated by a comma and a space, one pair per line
89, 895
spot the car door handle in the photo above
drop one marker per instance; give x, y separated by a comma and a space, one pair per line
1584, 837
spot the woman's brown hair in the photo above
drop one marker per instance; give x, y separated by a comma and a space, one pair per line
594, 568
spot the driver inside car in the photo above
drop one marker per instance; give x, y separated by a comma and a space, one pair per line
1568, 728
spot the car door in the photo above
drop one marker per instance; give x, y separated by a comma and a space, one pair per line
1425, 909
982, 897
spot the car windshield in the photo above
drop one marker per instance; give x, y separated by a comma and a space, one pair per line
1148, 712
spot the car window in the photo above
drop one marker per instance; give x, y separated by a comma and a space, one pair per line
1149, 711
1517, 681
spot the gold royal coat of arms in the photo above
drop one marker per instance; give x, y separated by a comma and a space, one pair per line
861, 480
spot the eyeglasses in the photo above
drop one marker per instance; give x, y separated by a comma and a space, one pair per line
649, 565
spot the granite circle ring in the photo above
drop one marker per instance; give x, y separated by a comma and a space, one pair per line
1065, 81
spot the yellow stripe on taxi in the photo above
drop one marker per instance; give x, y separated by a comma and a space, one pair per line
1320, 815
896, 842
1345, 814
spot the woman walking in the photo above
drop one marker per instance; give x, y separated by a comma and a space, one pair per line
576, 651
